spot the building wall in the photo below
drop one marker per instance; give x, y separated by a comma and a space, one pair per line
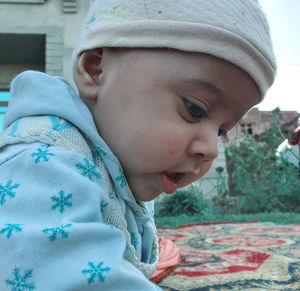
209, 184
60, 21
260, 121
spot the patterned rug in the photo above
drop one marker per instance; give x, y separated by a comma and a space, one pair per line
235, 256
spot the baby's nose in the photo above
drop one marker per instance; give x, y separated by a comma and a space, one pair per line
205, 148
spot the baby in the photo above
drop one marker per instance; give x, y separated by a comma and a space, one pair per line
157, 83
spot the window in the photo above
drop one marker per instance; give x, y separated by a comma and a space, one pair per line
18, 53
4, 96
247, 128
70, 6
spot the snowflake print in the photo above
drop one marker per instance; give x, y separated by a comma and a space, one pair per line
111, 196
14, 128
19, 283
128, 250
121, 179
111, 227
96, 271
59, 126
6, 191
56, 231
150, 212
92, 19
10, 228
98, 153
89, 169
62, 201
102, 152
134, 240
41, 154
103, 205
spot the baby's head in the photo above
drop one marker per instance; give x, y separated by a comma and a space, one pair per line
164, 79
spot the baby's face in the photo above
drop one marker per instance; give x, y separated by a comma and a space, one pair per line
161, 113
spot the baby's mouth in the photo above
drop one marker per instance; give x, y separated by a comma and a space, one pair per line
170, 181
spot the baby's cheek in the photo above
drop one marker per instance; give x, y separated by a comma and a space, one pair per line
205, 168
172, 147
162, 151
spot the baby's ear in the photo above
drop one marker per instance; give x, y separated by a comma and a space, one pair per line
87, 73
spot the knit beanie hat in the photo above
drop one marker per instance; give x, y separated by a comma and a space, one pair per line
234, 30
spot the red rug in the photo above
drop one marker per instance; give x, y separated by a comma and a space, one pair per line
235, 256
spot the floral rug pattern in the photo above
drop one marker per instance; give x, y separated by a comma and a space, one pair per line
235, 256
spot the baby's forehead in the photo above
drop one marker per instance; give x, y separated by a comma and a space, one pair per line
165, 58
186, 71
158, 56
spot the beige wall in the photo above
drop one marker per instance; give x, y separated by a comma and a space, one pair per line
208, 184
48, 17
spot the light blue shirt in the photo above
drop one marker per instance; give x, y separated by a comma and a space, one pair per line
54, 202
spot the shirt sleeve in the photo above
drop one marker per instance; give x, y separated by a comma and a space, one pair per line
52, 232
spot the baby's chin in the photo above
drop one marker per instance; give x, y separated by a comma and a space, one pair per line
147, 196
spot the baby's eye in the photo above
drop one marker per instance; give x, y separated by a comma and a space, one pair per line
222, 133
195, 112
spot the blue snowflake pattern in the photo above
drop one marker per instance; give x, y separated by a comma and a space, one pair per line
59, 126
134, 240
10, 228
111, 196
121, 179
96, 271
41, 154
14, 128
57, 231
103, 205
7, 191
150, 212
137, 212
62, 201
89, 169
110, 226
98, 153
102, 152
92, 20
128, 250
19, 283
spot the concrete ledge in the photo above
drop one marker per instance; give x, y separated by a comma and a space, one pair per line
23, 1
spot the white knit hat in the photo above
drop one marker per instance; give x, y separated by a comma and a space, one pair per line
234, 30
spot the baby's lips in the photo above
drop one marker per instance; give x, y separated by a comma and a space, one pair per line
169, 182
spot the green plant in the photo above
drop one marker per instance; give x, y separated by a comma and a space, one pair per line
260, 181
188, 200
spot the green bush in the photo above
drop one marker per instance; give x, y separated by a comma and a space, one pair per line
188, 200
258, 180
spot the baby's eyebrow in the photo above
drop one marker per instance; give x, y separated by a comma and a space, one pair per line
207, 85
